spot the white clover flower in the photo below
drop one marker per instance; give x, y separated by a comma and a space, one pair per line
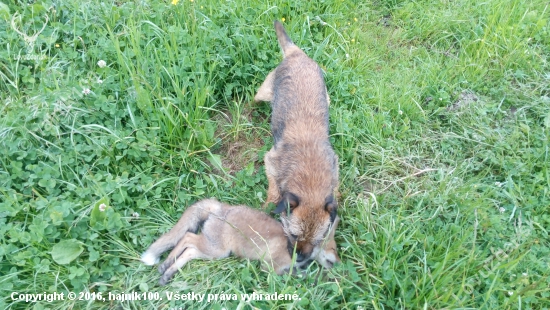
99, 81
102, 207
400, 112
102, 63
135, 214
501, 210
510, 293
86, 91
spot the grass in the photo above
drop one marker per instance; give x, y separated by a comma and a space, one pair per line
440, 114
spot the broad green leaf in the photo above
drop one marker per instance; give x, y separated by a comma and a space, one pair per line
66, 251
4, 11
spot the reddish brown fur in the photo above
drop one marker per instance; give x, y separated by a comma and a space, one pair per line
302, 168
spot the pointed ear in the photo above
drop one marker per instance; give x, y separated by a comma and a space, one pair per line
334, 226
331, 207
287, 203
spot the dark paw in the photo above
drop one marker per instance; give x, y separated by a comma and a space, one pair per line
163, 280
163, 267
167, 276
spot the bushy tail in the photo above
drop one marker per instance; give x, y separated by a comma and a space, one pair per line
191, 219
284, 40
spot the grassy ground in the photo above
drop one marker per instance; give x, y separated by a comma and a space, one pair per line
440, 115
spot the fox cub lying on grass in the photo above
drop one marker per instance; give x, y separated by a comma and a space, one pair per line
226, 230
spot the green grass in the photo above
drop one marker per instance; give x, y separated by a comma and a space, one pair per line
440, 114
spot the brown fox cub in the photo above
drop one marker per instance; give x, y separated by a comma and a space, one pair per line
301, 168
226, 230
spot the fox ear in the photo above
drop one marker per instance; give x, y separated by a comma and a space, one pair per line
287, 203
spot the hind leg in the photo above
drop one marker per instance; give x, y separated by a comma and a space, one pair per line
192, 246
189, 221
185, 242
265, 93
188, 254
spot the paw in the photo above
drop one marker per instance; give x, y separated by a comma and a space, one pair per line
164, 280
164, 266
167, 276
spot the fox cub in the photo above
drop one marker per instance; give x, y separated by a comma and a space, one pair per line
225, 230
301, 167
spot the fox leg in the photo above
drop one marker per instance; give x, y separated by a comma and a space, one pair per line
189, 222
273, 194
265, 93
192, 246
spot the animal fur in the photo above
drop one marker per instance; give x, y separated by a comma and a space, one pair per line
225, 230
301, 167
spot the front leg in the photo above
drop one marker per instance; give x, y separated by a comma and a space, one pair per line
273, 194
